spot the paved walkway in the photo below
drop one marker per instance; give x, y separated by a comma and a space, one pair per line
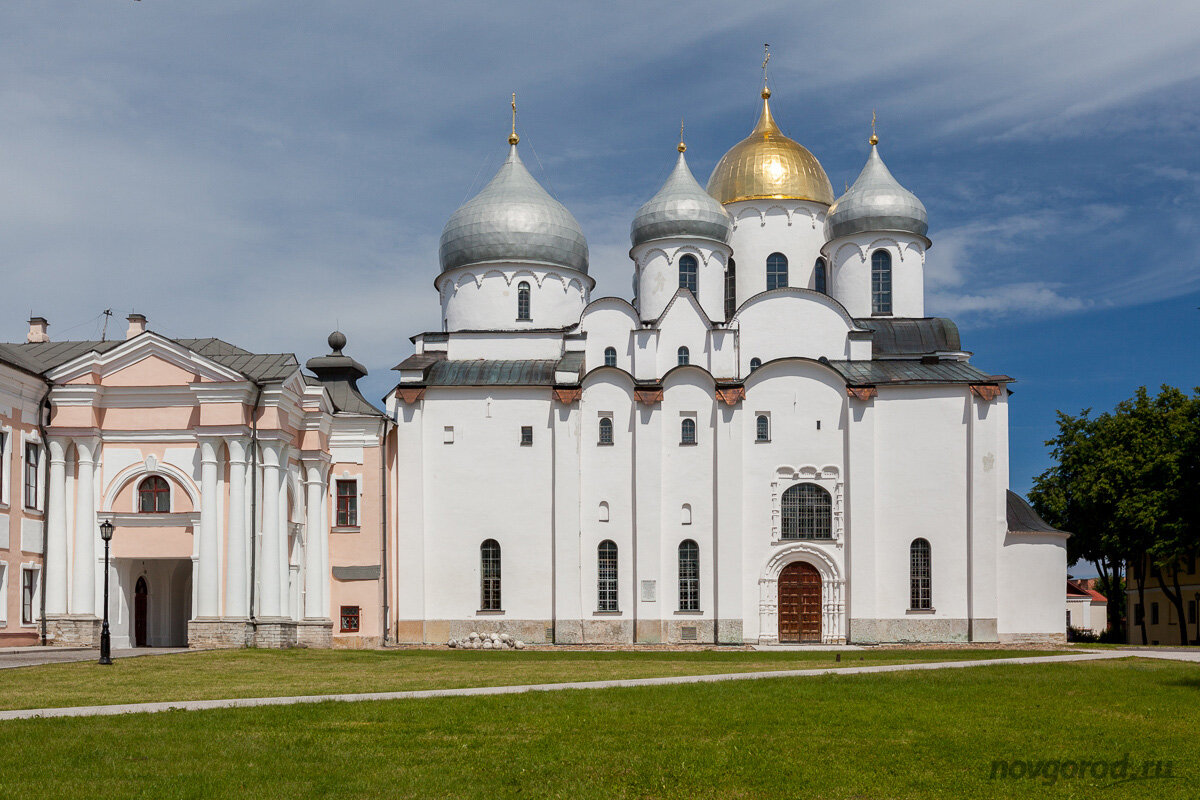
251, 702
36, 656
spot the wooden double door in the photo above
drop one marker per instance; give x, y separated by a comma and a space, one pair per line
799, 603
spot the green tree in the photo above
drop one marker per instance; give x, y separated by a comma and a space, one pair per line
1124, 484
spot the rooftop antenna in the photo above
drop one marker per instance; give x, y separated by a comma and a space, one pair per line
104, 331
874, 140
512, 137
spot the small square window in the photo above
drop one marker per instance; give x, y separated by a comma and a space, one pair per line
526, 435
448, 434
350, 617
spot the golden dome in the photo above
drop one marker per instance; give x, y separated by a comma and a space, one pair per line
768, 165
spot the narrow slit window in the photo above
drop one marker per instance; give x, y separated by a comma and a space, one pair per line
523, 300
687, 431
819, 281
881, 282
32, 456
730, 289
683, 356
762, 428
610, 356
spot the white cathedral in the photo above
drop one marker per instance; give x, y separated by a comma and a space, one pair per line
772, 443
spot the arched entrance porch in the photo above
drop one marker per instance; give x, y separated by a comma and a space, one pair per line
802, 595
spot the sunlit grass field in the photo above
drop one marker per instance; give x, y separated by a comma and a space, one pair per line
922, 734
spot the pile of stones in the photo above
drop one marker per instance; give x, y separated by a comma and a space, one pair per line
487, 641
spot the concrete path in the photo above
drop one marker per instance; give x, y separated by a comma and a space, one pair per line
252, 702
36, 656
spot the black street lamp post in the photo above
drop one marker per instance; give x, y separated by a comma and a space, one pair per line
106, 533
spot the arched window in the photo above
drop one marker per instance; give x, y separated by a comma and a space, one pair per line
689, 576
606, 430
819, 282
920, 575
489, 576
688, 268
730, 289
762, 428
755, 363
606, 576
881, 282
523, 300
154, 496
776, 271
807, 512
610, 356
687, 431
683, 355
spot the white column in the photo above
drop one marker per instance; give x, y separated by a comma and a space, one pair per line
56, 536
208, 567
268, 568
236, 593
327, 584
285, 538
315, 574
83, 573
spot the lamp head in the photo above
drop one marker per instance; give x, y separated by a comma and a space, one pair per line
106, 530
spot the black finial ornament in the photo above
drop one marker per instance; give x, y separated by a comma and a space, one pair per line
337, 340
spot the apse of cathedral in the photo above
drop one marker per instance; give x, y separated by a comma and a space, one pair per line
771, 443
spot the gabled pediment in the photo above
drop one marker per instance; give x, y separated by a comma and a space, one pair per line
145, 360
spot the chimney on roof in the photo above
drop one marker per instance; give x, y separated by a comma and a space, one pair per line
137, 325
37, 330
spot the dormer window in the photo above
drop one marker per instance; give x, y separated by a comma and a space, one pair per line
154, 496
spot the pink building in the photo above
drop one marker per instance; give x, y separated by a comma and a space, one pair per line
246, 493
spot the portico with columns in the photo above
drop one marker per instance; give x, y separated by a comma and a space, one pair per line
214, 466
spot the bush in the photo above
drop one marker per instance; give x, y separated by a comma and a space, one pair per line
1081, 635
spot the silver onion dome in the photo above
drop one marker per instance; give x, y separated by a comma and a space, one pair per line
681, 208
876, 202
513, 219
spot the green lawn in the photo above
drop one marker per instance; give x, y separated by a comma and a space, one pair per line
263, 673
903, 735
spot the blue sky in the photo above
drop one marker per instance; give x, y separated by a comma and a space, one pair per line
266, 171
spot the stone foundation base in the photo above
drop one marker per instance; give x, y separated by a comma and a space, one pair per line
314, 633
213, 633
1033, 638
73, 631
908, 629
593, 630
347, 642
275, 634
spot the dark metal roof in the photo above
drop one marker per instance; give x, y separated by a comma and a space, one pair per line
1023, 519
874, 373
571, 362
420, 360
904, 337
491, 373
44, 356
